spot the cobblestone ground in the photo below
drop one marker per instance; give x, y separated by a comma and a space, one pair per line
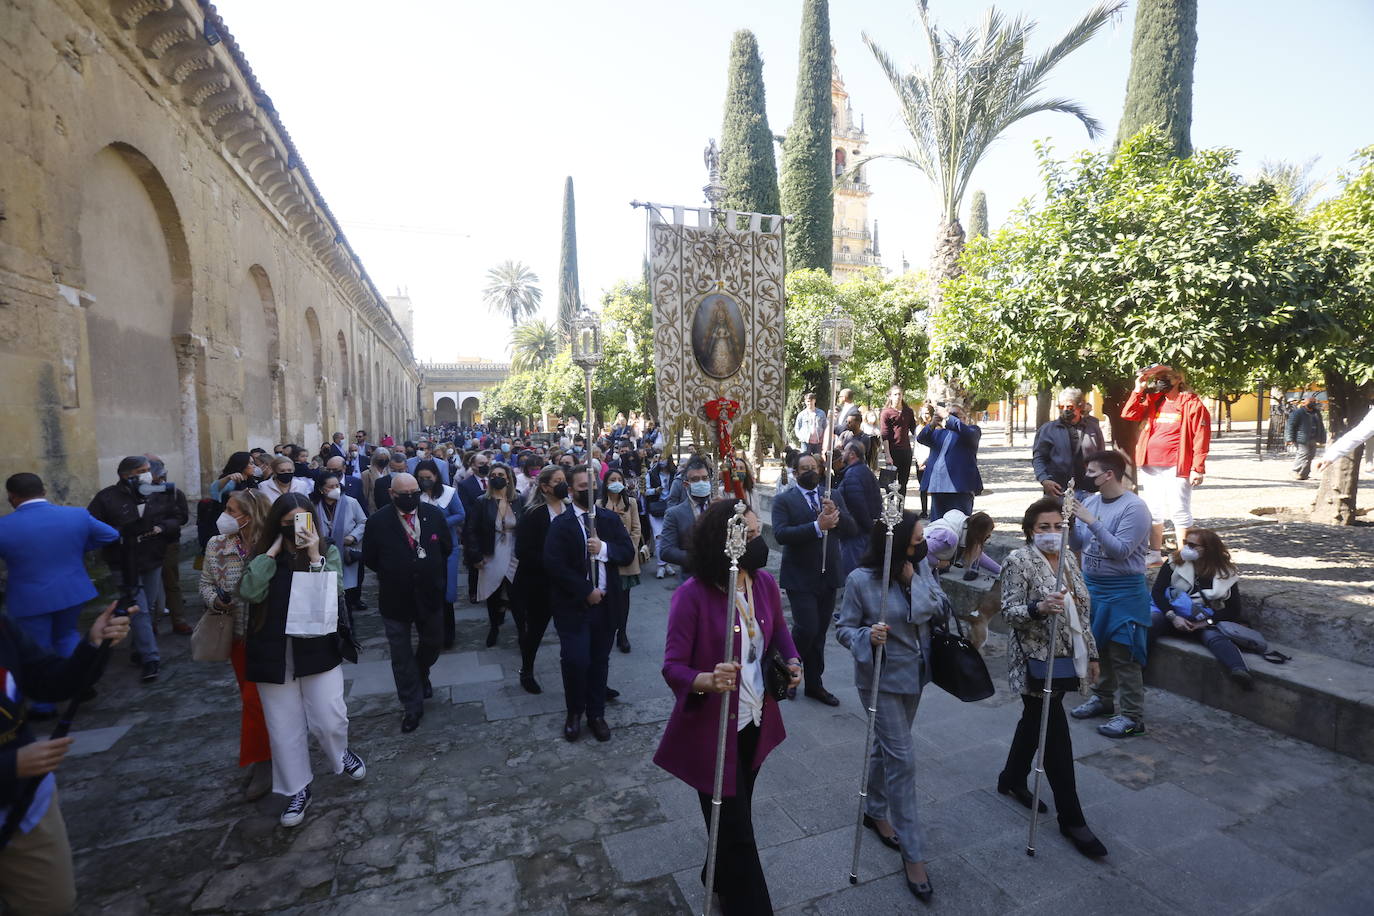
485, 809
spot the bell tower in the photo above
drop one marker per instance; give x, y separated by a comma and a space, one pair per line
855, 243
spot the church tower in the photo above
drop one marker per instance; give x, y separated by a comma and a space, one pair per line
855, 243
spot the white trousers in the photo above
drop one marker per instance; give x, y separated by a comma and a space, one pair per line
1167, 495
656, 527
312, 705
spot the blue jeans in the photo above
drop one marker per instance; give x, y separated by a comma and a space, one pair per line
55, 632
1216, 641
149, 599
940, 503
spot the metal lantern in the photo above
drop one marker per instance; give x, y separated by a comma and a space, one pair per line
837, 337
586, 339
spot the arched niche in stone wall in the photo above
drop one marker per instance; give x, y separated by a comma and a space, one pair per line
345, 385
145, 363
260, 358
316, 400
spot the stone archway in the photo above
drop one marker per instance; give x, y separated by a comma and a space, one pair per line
470, 410
445, 411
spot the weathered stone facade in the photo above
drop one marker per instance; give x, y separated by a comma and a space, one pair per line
454, 392
170, 278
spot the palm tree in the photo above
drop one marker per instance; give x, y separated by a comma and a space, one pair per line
512, 291
978, 84
533, 344
1294, 181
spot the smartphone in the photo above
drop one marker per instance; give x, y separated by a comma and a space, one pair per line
305, 523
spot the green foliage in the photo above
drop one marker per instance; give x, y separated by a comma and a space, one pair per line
889, 322
512, 291
1159, 90
532, 344
747, 165
807, 195
625, 379
569, 296
978, 215
1133, 259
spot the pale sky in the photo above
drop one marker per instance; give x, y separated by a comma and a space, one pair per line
440, 132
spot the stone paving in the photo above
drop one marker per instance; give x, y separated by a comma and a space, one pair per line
486, 809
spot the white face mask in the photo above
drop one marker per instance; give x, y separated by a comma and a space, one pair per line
1047, 541
1189, 554
331, 494
145, 478
226, 523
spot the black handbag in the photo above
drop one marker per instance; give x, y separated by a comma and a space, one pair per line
776, 675
347, 642
1063, 676
955, 665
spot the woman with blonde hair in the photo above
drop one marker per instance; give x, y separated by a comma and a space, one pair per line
226, 554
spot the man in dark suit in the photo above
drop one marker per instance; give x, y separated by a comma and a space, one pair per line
859, 488
470, 489
802, 516
679, 520
407, 545
352, 485
581, 560
337, 447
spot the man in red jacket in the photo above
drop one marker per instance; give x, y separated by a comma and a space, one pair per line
1171, 453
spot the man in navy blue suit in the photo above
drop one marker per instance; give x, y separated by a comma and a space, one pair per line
581, 563
44, 547
352, 485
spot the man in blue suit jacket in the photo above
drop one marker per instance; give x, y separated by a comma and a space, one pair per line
951, 475
584, 577
424, 449
352, 484
44, 547
800, 515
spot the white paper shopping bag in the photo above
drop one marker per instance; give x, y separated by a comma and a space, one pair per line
314, 606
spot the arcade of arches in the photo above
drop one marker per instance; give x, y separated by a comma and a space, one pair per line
170, 279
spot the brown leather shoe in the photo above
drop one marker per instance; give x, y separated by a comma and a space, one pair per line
599, 729
572, 727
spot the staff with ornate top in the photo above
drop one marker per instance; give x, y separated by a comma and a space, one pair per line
836, 346
587, 354
892, 514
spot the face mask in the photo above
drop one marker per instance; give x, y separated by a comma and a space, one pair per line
918, 553
331, 494
1189, 554
616, 486
284, 478
482, 470
288, 530
148, 489
145, 478
755, 555
379, 464
581, 497
422, 454
226, 523
406, 502
426, 484
256, 471
560, 491
1161, 385
808, 480
505, 447
1068, 415
498, 482
1047, 541
699, 488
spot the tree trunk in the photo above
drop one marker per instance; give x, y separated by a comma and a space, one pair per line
1006, 419
1336, 496
944, 266
1124, 432
1042, 406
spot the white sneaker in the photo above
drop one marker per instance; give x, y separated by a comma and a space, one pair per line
295, 808
353, 765
659, 574
672, 570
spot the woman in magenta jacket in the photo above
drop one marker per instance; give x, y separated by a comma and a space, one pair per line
693, 668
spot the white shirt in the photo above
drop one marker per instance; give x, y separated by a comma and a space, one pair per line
806, 495
750, 672
601, 558
1353, 439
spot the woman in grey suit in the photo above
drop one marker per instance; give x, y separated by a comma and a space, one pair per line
914, 597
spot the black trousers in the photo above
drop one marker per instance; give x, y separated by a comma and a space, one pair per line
1058, 756
584, 639
739, 876
498, 601
901, 457
353, 595
537, 616
472, 581
622, 610
811, 614
410, 667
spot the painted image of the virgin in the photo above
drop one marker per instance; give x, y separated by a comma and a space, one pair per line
718, 336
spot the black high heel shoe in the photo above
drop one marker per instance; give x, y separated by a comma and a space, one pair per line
921, 890
891, 842
1021, 794
1084, 841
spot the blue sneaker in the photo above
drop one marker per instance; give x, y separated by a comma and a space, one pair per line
1091, 709
1121, 727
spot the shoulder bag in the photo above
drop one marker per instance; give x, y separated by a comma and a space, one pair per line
213, 636
955, 665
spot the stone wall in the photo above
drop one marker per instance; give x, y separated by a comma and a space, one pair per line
171, 280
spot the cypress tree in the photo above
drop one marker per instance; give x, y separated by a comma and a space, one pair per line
569, 301
747, 167
978, 215
1159, 91
807, 192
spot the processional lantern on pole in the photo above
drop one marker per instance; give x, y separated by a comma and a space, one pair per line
836, 345
587, 354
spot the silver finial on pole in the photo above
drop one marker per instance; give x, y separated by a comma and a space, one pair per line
836, 345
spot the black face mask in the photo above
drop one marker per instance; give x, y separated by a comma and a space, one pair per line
284, 478
426, 485
755, 555
808, 480
482, 470
1161, 385
379, 464
918, 553
1069, 416
406, 502
582, 498
560, 491
289, 531
498, 483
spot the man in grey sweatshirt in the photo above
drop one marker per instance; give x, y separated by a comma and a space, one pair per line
1112, 533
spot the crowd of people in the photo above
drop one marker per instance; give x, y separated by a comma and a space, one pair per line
559, 527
